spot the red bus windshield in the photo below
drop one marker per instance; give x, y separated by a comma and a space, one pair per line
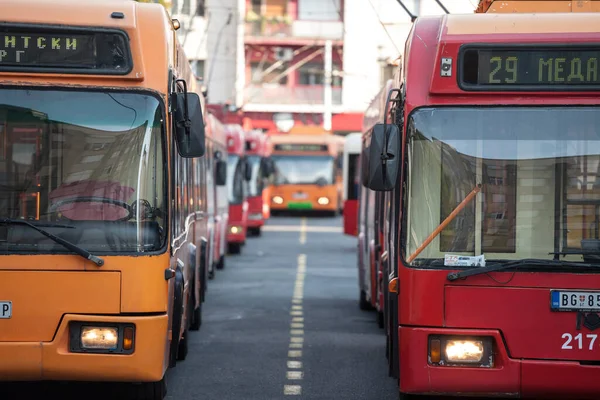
540, 176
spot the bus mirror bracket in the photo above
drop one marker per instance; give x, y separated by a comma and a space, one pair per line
189, 123
221, 173
247, 170
381, 161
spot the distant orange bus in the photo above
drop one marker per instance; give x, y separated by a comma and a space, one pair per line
102, 206
308, 172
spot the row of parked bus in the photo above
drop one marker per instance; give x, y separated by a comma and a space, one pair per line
476, 204
120, 193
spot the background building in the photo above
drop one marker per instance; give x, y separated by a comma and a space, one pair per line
301, 62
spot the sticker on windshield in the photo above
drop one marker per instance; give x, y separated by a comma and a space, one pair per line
464, 261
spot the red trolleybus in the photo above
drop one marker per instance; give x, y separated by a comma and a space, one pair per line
350, 178
101, 211
238, 175
218, 202
492, 156
257, 150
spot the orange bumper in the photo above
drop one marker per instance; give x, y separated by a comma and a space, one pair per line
34, 361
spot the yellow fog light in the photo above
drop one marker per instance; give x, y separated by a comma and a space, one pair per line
96, 337
235, 229
278, 200
464, 351
323, 201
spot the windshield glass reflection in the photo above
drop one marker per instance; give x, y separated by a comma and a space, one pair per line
540, 177
307, 170
91, 159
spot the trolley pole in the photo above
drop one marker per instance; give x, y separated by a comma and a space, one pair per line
327, 92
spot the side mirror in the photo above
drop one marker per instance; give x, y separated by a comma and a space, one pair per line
247, 171
381, 158
189, 125
221, 173
266, 168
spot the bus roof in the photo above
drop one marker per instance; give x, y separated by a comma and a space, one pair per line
148, 27
460, 42
538, 6
332, 144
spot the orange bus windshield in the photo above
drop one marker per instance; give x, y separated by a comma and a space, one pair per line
61, 159
304, 169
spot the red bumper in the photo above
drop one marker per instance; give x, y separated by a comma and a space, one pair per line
256, 217
508, 378
238, 223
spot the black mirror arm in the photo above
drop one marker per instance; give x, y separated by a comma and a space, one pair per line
187, 123
384, 153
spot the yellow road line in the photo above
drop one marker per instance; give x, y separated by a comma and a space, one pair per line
295, 372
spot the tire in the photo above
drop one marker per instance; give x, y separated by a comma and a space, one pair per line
254, 231
380, 322
183, 347
221, 263
197, 313
177, 316
234, 248
148, 390
363, 303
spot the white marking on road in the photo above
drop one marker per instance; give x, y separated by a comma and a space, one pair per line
295, 375
303, 230
292, 389
297, 324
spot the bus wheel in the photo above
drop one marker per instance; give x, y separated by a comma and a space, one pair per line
221, 263
380, 319
197, 313
363, 303
234, 248
177, 317
149, 390
182, 348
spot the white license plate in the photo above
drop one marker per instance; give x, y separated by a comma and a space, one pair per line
5, 309
574, 301
300, 196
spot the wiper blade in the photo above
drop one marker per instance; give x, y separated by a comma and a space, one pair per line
73, 247
534, 262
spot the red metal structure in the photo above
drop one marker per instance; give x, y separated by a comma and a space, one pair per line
217, 200
488, 159
238, 175
352, 147
257, 154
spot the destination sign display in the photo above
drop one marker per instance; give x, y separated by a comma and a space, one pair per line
76, 51
300, 147
530, 68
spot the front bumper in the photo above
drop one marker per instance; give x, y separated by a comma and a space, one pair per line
507, 378
34, 361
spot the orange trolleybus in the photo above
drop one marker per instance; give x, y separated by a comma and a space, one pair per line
257, 150
101, 195
308, 172
238, 176
491, 158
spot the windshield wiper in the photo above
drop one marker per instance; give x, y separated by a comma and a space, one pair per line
533, 262
73, 247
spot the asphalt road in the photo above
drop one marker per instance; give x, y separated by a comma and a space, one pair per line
280, 321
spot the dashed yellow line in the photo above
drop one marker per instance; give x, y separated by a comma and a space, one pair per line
303, 230
294, 365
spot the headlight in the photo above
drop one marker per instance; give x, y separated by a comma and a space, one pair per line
449, 351
235, 229
470, 351
107, 338
278, 200
323, 201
